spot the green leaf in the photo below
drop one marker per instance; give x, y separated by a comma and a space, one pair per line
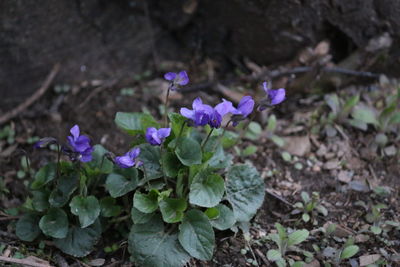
229, 139
188, 151
108, 208
305, 217
86, 208
207, 189
281, 231
297, 237
358, 124
350, 103
146, 203
150, 245
150, 156
395, 119
171, 164
306, 197
254, 131
134, 122
79, 242
27, 228
40, 200
245, 191
172, 209
212, 213
225, 220
219, 159
365, 114
54, 223
349, 252
277, 140
99, 161
196, 235
139, 217
122, 182
249, 150
274, 255
67, 184
45, 175
177, 121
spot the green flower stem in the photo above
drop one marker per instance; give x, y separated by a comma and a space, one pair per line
206, 140
179, 135
162, 166
222, 135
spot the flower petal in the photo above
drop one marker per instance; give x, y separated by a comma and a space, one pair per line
183, 78
277, 96
170, 76
246, 105
190, 114
134, 153
164, 132
265, 86
224, 107
75, 131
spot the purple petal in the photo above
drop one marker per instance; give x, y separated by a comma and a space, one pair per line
190, 114
265, 86
170, 76
75, 131
86, 156
197, 103
215, 120
246, 105
201, 118
151, 136
134, 153
164, 132
124, 161
155, 140
224, 107
183, 78
277, 96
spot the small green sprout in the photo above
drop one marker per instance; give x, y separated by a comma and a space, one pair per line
310, 207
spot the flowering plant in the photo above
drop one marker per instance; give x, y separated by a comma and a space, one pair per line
180, 180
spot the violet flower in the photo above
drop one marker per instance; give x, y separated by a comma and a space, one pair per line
45, 141
274, 97
200, 114
128, 160
245, 107
156, 137
80, 145
180, 78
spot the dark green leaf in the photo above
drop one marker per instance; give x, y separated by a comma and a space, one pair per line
146, 203
188, 151
171, 164
27, 228
172, 209
225, 220
177, 121
86, 208
99, 161
45, 175
67, 184
150, 156
245, 191
196, 235
79, 242
54, 223
150, 245
207, 189
122, 182
212, 213
108, 208
219, 159
40, 200
139, 217
134, 123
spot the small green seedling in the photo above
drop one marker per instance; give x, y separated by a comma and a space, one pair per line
285, 242
310, 207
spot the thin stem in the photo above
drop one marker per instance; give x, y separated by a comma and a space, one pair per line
206, 140
179, 135
162, 167
166, 106
222, 135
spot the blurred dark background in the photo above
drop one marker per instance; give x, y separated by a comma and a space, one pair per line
101, 39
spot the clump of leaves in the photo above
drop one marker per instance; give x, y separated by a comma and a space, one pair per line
285, 242
181, 182
310, 207
338, 256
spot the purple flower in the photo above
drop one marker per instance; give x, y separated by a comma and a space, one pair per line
200, 114
180, 78
156, 137
80, 145
274, 97
245, 107
128, 160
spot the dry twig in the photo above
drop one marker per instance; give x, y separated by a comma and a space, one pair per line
14, 112
25, 262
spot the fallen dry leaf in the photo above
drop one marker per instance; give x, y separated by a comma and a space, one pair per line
332, 164
369, 259
297, 145
345, 176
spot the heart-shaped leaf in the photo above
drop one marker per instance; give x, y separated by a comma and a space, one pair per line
40, 200
196, 235
122, 181
150, 156
45, 175
99, 161
86, 208
172, 209
108, 208
134, 122
207, 189
245, 191
27, 228
225, 220
139, 217
146, 203
54, 223
67, 184
188, 151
